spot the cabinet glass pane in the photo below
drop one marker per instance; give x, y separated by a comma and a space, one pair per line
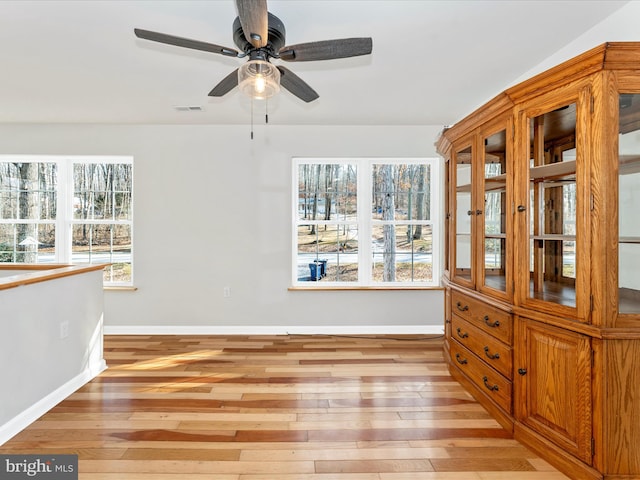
552, 186
463, 214
495, 225
629, 201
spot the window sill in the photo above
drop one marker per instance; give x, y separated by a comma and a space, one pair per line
120, 289
360, 287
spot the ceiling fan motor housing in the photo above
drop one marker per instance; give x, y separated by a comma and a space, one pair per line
276, 34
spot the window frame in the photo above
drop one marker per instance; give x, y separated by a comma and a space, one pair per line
64, 220
366, 223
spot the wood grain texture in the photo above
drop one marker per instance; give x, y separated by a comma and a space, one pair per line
557, 386
278, 407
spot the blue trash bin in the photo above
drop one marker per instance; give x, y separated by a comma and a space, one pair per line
315, 270
323, 267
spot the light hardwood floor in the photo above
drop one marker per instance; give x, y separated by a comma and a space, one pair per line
278, 408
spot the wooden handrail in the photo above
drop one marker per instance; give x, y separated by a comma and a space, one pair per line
41, 273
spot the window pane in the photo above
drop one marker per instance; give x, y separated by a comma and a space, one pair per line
463, 214
401, 192
402, 253
104, 243
102, 191
327, 253
122, 205
494, 215
27, 243
327, 192
28, 190
628, 201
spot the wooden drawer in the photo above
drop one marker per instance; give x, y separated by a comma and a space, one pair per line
488, 348
492, 320
494, 385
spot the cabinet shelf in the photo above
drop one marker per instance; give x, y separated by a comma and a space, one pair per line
561, 171
491, 184
557, 292
553, 171
629, 164
499, 182
629, 240
554, 236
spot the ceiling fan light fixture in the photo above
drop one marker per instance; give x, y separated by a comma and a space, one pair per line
258, 79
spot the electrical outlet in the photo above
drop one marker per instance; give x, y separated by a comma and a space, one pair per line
226, 292
64, 329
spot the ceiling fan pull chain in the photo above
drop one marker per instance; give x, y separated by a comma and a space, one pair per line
251, 118
266, 111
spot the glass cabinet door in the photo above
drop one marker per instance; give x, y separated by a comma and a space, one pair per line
628, 204
553, 206
447, 218
464, 213
494, 244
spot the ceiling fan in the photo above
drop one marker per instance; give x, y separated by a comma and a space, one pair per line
260, 36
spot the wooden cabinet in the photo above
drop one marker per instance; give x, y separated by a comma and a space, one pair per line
554, 397
543, 246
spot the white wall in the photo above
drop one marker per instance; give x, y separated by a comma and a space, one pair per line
212, 209
620, 26
32, 340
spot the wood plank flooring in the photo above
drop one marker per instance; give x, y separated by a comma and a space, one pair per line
278, 408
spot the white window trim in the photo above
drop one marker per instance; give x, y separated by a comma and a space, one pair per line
365, 222
64, 219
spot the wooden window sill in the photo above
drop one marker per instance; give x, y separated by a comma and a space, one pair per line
120, 288
359, 287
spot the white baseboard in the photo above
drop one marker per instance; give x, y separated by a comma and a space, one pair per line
31, 414
274, 330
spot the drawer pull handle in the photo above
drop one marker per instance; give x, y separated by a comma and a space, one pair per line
492, 356
493, 388
460, 334
495, 324
522, 371
460, 360
461, 308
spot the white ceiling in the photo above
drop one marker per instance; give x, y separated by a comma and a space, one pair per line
432, 63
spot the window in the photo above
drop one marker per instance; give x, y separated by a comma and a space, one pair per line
68, 210
366, 222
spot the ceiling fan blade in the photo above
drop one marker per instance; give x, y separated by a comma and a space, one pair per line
327, 49
184, 42
254, 20
227, 84
296, 85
